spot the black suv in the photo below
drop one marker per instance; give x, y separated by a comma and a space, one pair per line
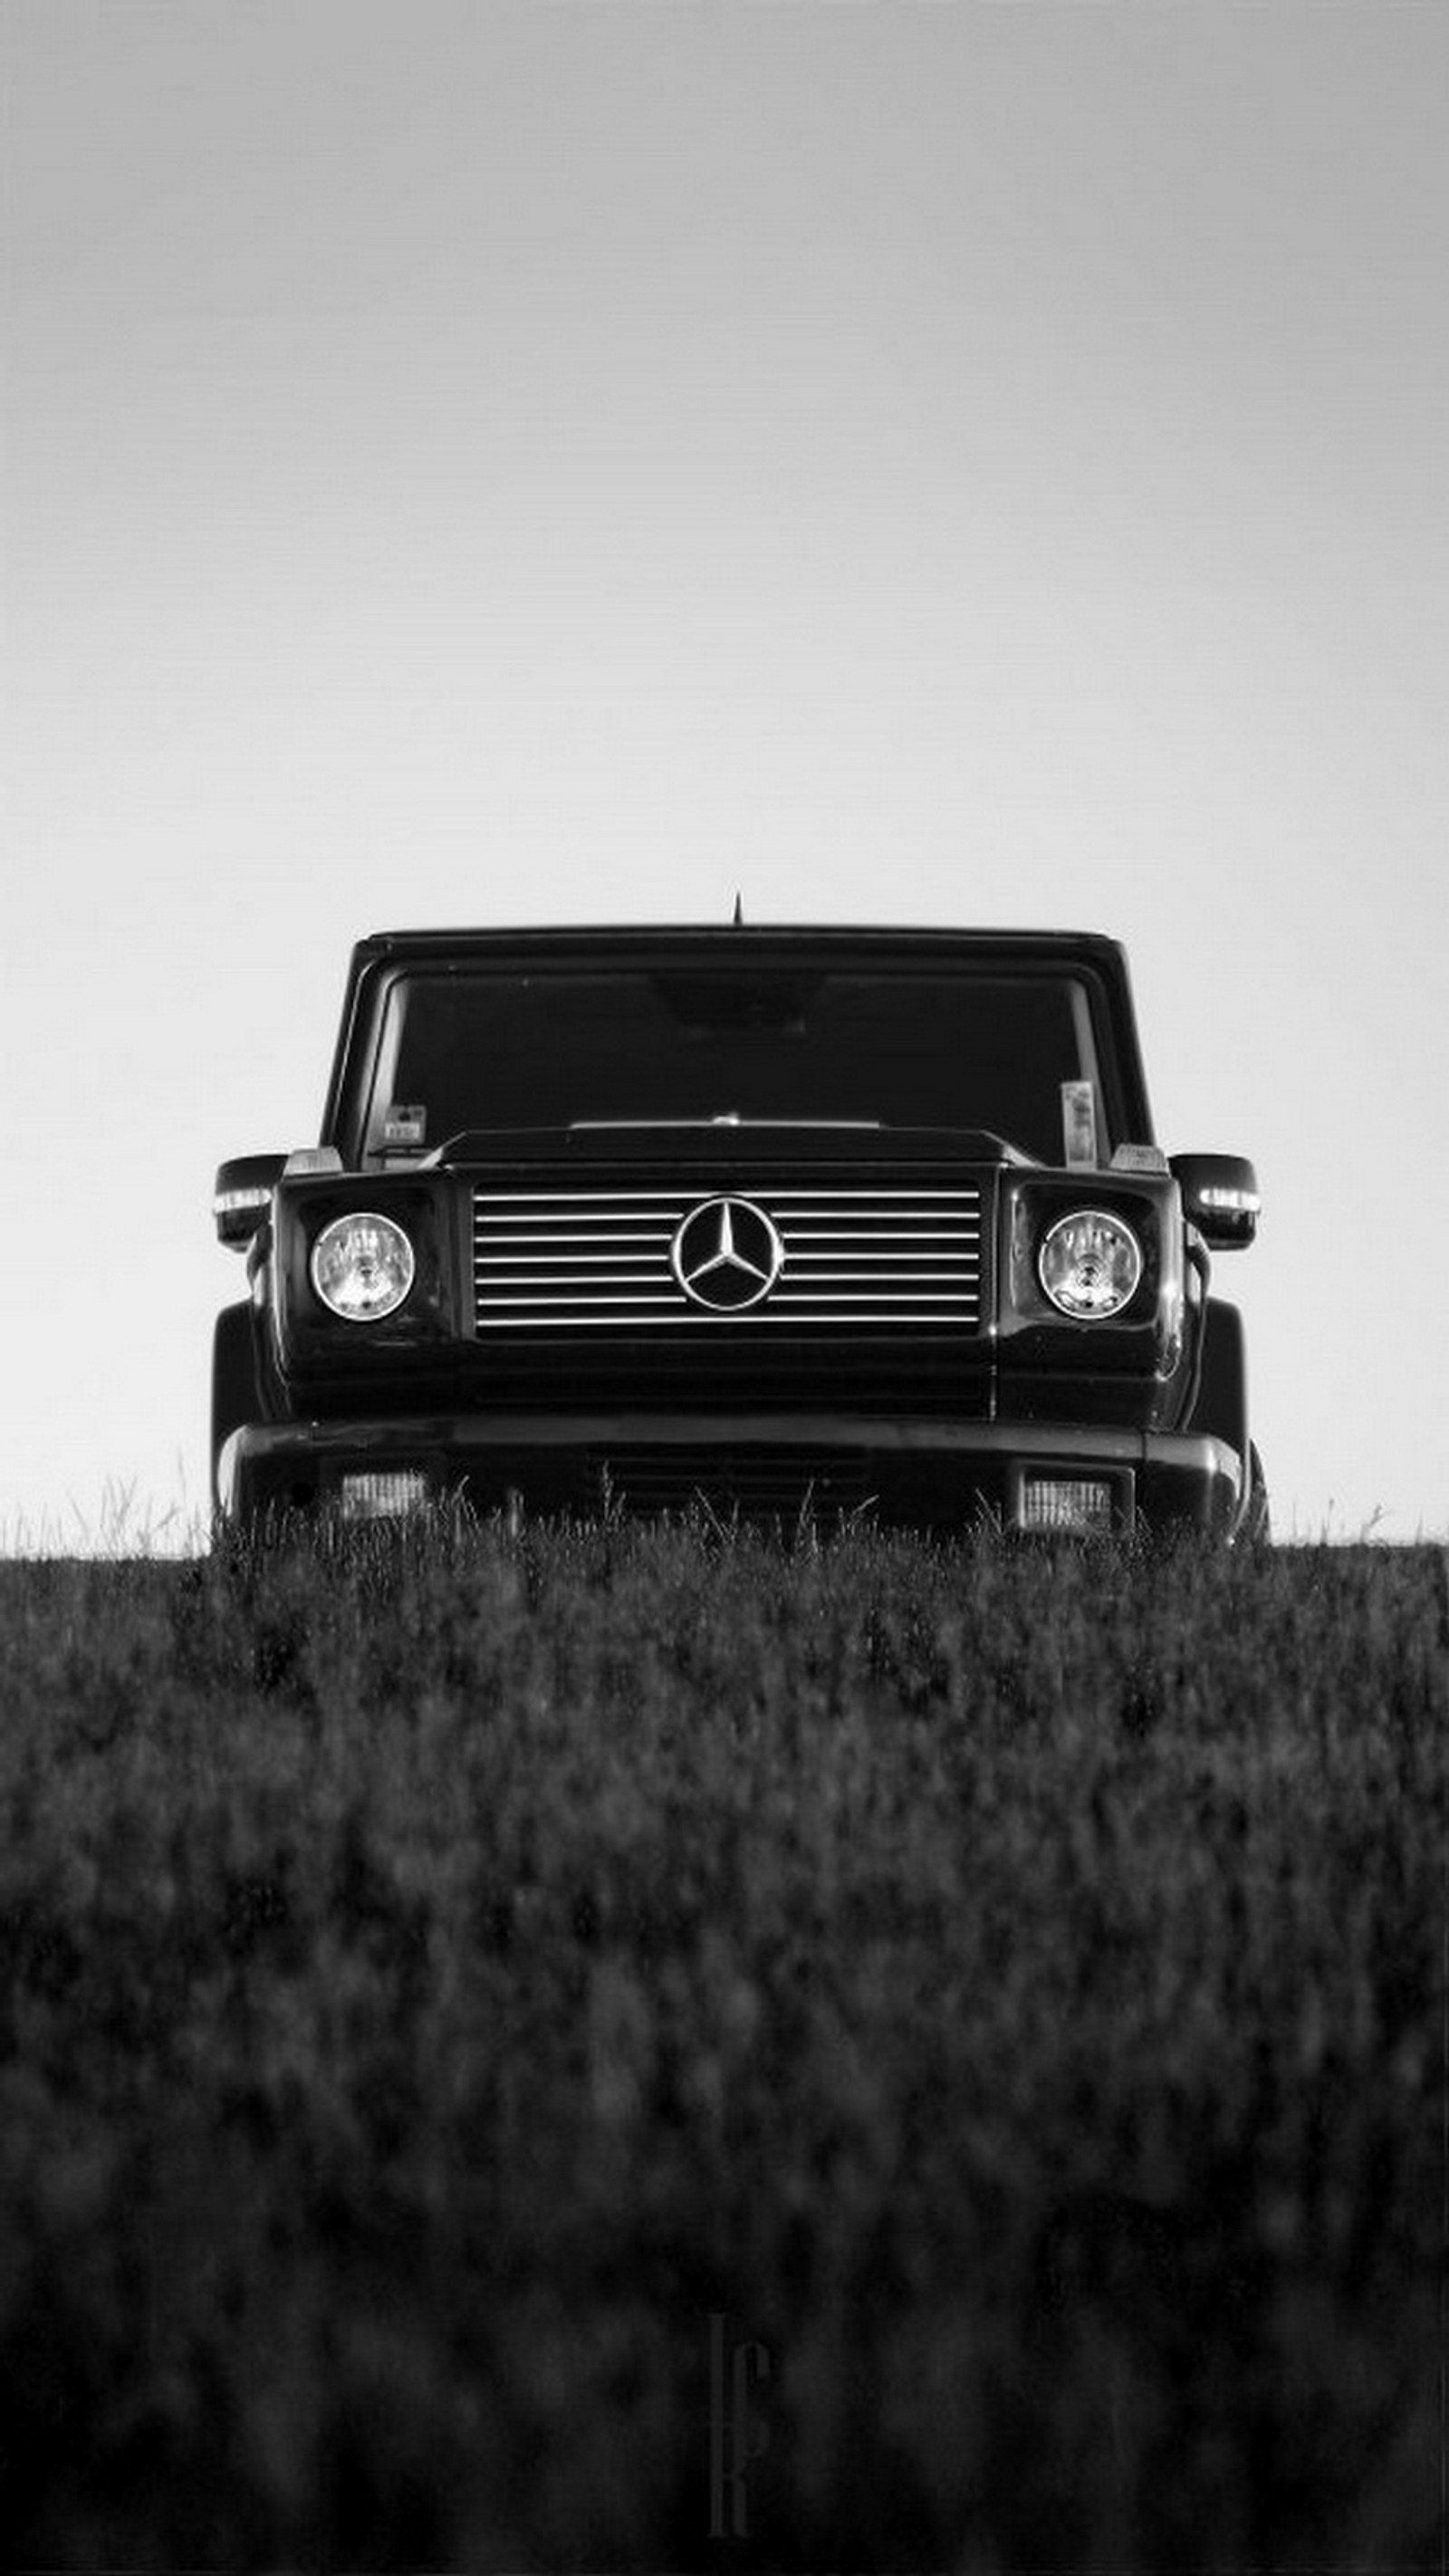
783, 1222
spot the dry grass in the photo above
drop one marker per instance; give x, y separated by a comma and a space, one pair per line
441, 1973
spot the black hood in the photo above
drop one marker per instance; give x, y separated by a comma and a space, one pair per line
720, 1146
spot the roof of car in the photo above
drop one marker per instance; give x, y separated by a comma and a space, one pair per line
727, 934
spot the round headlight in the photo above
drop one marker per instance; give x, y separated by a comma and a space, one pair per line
1089, 1264
362, 1267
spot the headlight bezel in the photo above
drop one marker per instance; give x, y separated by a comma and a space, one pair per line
389, 1230
1111, 1220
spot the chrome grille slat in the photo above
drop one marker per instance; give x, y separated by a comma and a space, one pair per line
684, 1320
544, 1235
569, 1266
881, 1256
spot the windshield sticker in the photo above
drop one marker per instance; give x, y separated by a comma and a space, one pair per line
1079, 1125
405, 1123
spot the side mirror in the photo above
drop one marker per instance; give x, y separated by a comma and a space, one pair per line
244, 1187
1220, 1197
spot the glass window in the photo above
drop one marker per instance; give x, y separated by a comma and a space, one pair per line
891, 1047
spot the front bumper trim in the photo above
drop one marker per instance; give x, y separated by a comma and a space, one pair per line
914, 1470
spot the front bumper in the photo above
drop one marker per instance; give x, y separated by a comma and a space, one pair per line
906, 1471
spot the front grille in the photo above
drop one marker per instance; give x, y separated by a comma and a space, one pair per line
894, 1255
794, 1485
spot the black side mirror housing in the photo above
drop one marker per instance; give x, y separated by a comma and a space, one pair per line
1220, 1197
244, 1187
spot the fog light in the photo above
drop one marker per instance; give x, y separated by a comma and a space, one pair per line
383, 1493
1071, 1503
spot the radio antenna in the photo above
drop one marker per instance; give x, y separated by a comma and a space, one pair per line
739, 919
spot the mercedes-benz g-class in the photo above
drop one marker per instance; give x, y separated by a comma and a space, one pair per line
780, 1222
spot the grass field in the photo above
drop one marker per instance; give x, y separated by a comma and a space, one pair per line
477, 2006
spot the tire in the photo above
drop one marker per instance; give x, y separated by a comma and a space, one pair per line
235, 1396
1256, 1527
1221, 1401
1221, 1407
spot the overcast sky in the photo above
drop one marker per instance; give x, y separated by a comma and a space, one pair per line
926, 463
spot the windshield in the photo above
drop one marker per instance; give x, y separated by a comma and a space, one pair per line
889, 1047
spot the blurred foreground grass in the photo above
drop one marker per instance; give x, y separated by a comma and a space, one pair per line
443, 1972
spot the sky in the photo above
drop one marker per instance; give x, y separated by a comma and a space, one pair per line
923, 461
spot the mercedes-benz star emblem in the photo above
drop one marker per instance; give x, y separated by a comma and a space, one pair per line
727, 1255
